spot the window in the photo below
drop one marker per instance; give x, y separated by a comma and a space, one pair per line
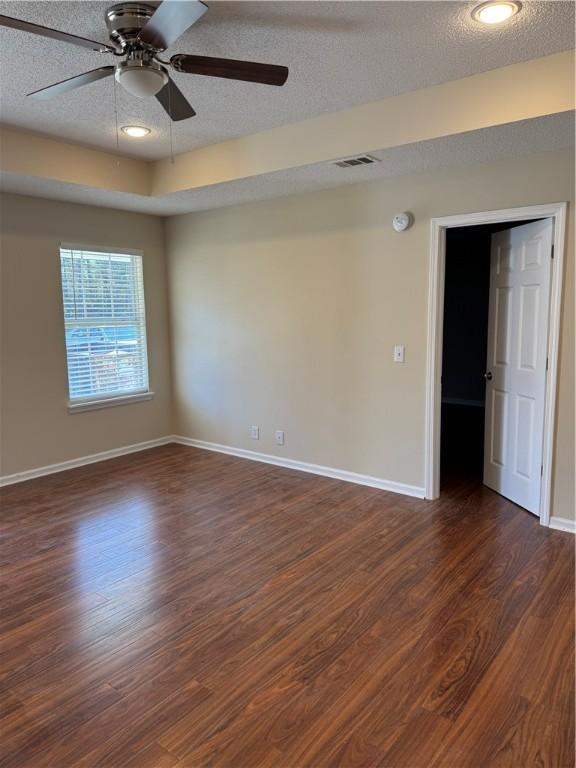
105, 325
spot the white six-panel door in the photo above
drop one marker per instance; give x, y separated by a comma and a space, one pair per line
516, 361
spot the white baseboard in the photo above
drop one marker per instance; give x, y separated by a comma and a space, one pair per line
562, 524
557, 523
93, 458
302, 466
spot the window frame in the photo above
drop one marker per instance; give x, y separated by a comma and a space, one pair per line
97, 401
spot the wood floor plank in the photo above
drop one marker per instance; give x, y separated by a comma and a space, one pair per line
178, 608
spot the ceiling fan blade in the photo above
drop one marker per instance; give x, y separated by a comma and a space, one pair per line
252, 72
73, 82
174, 102
56, 34
170, 20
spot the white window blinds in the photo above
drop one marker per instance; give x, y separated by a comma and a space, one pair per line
105, 323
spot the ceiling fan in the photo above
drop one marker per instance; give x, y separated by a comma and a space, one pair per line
139, 32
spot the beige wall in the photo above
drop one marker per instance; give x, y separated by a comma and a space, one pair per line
284, 314
36, 428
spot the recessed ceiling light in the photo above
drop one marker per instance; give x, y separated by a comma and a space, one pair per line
495, 11
135, 131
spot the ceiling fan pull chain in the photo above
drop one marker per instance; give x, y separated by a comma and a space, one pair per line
116, 124
170, 121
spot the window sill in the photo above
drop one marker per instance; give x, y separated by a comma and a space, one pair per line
108, 402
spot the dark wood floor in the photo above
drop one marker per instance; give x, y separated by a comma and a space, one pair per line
182, 608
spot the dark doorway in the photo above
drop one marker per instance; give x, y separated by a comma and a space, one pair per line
465, 338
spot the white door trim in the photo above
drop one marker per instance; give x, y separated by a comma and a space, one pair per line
437, 264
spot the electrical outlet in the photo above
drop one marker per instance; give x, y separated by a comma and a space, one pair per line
279, 435
255, 433
399, 353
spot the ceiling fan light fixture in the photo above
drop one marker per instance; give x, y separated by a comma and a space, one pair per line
141, 79
496, 11
135, 131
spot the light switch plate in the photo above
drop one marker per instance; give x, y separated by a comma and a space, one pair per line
399, 353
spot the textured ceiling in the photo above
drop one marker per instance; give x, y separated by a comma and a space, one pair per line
340, 54
489, 144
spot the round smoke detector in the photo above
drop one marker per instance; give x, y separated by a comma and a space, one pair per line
402, 221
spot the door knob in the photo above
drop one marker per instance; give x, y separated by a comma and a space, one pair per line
488, 375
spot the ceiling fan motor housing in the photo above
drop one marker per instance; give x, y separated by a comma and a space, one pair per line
139, 73
125, 20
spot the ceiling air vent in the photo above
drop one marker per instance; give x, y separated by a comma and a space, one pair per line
360, 160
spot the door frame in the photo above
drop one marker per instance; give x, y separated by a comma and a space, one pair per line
436, 276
